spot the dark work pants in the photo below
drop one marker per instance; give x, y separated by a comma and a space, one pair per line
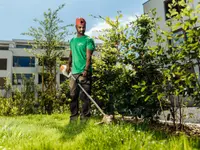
76, 93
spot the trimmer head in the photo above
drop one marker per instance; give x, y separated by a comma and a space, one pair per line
107, 119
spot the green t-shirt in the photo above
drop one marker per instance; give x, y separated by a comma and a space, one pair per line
78, 46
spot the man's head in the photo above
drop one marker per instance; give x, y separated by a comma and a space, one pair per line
80, 26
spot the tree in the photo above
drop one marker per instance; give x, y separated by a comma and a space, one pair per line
127, 70
48, 45
181, 82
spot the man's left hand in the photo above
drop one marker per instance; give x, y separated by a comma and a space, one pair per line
84, 73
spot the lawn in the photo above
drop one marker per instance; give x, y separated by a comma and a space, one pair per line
53, 132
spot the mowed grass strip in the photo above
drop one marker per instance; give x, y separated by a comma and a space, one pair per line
53, 132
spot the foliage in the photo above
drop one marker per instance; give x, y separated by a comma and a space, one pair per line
181, 67
48, 45
19, 101
63, 97
141, 70
127, 70
7, 107
144, 69
26, 99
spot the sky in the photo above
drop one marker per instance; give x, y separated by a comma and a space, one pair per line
17, 15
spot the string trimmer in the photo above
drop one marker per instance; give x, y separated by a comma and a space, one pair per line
106, 118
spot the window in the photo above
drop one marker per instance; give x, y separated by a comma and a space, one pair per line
19, 61
64, 60
17, 79
177, 38
4, 48
24, 46
166, 6
47, 61
2, 82
3, 64
60, 48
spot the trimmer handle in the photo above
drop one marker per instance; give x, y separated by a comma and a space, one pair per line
63, 69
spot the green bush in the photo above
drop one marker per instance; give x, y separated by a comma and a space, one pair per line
127, 74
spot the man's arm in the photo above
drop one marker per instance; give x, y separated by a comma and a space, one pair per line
69, 64
88, 61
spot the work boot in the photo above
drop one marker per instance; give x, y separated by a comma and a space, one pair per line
84, 119
73, 120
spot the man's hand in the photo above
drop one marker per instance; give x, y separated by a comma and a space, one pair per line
84, 73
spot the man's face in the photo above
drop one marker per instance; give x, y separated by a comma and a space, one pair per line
80, 29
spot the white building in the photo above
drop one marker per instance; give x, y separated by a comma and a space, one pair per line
15, 61
162, 9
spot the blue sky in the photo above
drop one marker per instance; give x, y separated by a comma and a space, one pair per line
17, 15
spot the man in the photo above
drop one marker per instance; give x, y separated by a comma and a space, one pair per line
81, 49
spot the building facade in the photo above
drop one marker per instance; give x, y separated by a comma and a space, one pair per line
16, 61
162, 9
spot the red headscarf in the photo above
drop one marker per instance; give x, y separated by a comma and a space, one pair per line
80, 21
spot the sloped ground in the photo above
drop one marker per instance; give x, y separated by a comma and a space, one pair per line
191, 121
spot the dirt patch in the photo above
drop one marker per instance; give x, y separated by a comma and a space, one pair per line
187, 129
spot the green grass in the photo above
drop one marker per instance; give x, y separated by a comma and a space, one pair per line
52, 132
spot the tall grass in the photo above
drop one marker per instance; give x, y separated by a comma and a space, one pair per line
53, 132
